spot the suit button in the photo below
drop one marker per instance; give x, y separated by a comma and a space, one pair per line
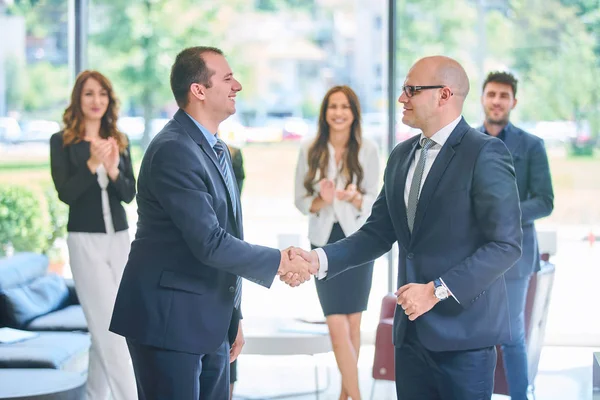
410, 256
231, 289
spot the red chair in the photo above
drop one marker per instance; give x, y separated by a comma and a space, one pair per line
383, 363
536, 315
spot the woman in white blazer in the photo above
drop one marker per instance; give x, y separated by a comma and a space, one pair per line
337, 182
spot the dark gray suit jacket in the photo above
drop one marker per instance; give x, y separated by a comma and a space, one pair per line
467, 230
535, 193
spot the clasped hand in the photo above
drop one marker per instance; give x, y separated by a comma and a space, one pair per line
105, 152
328, 192
297, 266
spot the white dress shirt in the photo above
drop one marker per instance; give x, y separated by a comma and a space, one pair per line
440, 138
346, 214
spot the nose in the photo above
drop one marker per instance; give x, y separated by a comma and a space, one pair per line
403, 99
237, 86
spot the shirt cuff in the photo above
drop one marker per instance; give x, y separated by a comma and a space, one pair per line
323, 264
449, 291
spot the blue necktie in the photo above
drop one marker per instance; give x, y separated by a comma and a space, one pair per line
219, 148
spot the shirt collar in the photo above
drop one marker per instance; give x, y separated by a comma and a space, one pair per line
210, 137
502, 135
443, 134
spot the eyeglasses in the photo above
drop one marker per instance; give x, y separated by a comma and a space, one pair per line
410, 91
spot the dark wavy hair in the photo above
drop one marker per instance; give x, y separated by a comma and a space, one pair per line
73, 119
318, 154
505, 78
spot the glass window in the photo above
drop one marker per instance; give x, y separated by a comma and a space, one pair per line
35, 82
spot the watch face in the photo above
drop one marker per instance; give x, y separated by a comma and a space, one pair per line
441, 292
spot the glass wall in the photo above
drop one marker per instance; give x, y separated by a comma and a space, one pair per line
35, 85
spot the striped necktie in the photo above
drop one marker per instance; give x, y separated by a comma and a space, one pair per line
219, 149
415, 186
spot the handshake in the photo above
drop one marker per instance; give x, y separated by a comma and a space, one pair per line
297, 265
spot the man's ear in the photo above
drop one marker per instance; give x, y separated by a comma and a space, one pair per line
198, 91
514, 104
446, 94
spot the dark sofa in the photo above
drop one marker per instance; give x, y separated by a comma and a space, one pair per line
33, 300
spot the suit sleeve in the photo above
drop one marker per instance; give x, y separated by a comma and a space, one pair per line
540, 196
495, 201
125, 183
68, 186
370, 242
177, 181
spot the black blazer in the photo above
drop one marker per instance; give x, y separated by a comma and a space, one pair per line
79, 188
179, 283
467, 231
535, 192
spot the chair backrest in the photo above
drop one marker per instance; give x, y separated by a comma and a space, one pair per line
383, 362
388, 306
546, 242
536, 314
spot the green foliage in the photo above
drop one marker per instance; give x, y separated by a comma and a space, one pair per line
427, 28
30, 221
278, 5
58, 214
555, 58
47, 90
135, 48
42, 16
21, 220
553, 46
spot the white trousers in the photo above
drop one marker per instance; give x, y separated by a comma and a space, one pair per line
97, 263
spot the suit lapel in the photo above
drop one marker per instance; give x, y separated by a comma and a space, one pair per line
512, 139
197, 136
436, 173
405, 159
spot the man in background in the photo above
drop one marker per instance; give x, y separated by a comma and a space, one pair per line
537, 201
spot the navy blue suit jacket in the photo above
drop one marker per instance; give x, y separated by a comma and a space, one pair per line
535, 191
179, 283
467, 230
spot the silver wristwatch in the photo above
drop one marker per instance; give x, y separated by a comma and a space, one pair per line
439, 290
